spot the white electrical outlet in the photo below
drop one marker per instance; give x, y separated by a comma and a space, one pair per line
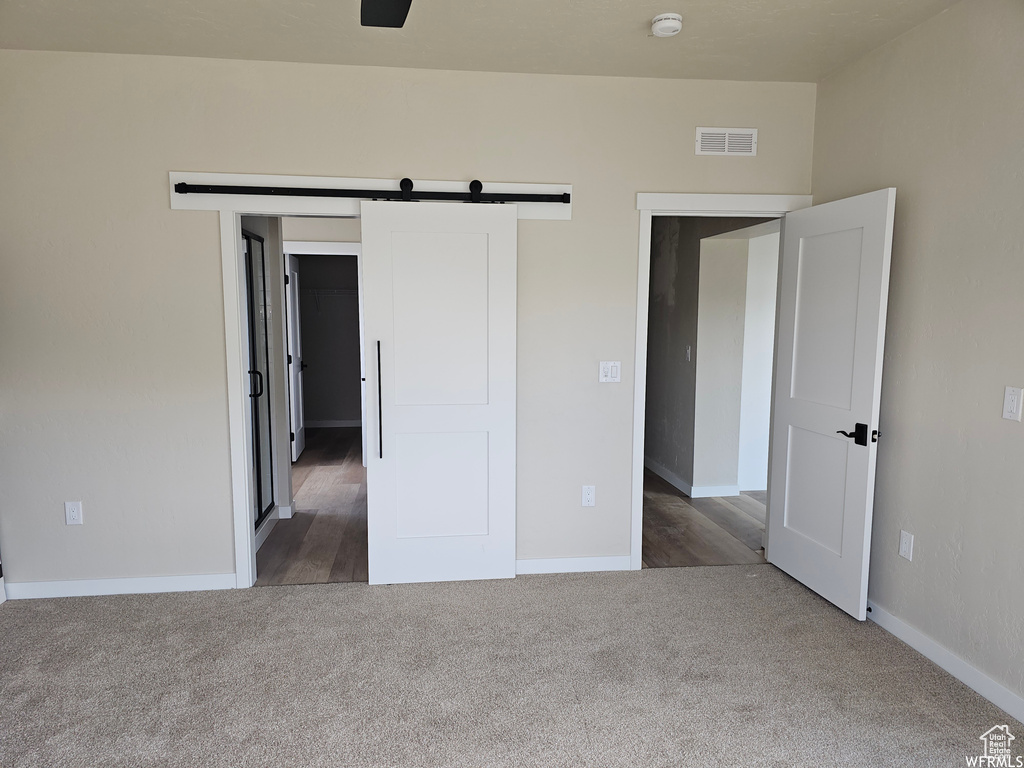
907, 545
589, 495
73, 512
1011, 403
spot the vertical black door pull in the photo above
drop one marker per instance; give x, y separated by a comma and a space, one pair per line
380, 409
259, 381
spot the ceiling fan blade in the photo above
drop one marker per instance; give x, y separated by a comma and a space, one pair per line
384, 13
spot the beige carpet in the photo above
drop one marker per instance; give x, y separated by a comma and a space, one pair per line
727, 666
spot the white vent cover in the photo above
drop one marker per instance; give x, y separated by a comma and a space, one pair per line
727, 141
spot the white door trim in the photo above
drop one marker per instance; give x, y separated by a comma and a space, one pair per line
231, 208
651, 204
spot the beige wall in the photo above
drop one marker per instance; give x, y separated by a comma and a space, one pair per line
720, 310
939, 114
114, 373
758, 348
320, 229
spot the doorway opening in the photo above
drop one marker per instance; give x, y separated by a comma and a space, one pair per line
321, 535
710, 339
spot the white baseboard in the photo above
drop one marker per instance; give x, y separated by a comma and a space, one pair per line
694, 492
669, 476
707, 491
285, 513
27, 590
572, 565
267, 526
3, 592
972, 677
334, 423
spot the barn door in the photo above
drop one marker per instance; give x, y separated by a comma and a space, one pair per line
439, 287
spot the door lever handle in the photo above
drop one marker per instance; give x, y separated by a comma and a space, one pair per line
859, 434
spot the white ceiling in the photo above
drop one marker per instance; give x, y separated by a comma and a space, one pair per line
790, 40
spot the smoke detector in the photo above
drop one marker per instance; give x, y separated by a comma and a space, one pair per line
667, 24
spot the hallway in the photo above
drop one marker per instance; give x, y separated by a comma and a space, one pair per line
679, 531
325, 541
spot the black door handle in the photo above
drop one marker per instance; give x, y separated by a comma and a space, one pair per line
859, 434
259, 380
380, 409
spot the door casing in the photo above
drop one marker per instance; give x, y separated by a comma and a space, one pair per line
676, 204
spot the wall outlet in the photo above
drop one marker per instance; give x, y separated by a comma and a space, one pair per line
907, 545
1011, 403
589, 495
73, 512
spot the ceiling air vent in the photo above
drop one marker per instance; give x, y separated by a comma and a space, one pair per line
727, 141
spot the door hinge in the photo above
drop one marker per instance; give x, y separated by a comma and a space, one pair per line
289, 359
286, 280
293, 436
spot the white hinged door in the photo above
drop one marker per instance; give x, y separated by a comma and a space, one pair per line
298, 420
833, 292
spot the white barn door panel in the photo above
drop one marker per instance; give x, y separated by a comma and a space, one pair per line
439, 286
834, 286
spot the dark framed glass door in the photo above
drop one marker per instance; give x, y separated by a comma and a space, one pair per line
259, 376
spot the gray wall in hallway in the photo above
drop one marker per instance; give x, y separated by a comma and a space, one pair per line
329, 315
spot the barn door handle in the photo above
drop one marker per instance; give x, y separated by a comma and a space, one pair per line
859, 434
380, 409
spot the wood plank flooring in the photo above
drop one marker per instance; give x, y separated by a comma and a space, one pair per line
679, 531
325, 540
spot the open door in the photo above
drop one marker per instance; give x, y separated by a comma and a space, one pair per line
260, 401
295, 364
833, 294
439, 283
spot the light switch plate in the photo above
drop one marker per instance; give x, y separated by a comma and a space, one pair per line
1011, 403
611, 372
907, 545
